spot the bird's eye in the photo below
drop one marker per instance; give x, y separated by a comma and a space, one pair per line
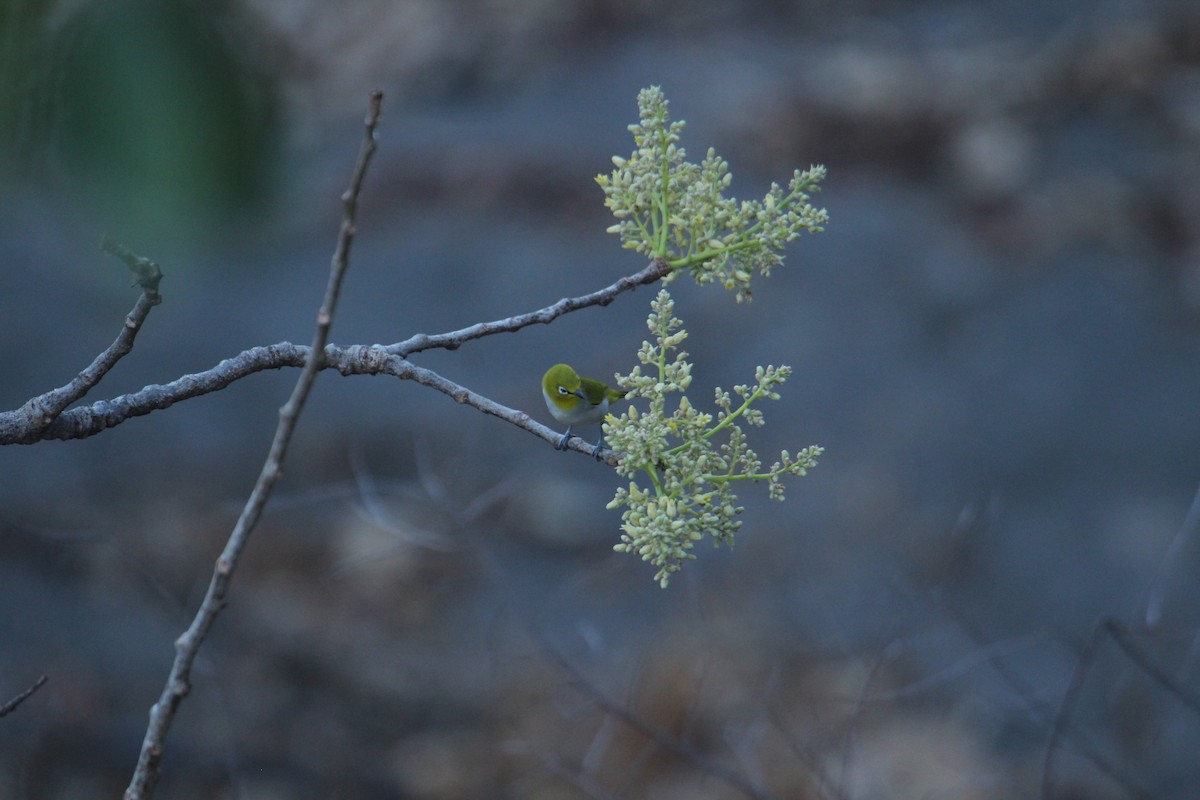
563, 390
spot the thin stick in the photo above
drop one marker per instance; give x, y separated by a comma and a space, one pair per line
654, 271
400, 368
1151, 666
657, 735
28, 424
1077, 738
887, 653
1156, 597
187, 646
11, 705
1066, 706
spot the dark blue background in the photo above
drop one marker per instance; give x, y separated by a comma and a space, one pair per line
995, 341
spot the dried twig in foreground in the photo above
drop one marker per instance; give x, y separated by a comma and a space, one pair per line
187, 646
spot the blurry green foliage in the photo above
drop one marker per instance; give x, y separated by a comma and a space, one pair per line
152, 113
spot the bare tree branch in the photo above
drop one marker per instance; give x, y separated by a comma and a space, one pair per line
401, 368
79, 423
888, 652
1070, 735
187, 646
11, 705
1124, 639
805, 753
1061, 719
1156, 597
656, 270
1150, 665
655, 734
85, 421
29, 423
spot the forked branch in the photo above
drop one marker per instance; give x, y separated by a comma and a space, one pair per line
29, 423
85, 421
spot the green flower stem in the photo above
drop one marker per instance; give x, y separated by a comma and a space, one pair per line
662, 220
725, 423
729, 419
694, 258
787, 201
727, 478
658, 489
641, 224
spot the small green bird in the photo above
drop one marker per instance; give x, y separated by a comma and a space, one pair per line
577, 401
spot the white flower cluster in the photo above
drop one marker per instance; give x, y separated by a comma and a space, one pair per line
669, 208
689, 493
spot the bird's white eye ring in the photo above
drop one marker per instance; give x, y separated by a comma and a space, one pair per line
563, 390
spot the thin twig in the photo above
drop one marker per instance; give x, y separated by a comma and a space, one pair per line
1078, 739
29, 423
980, 656
577, 778
11, 705
1156, 596
596, 697
825, 785
651, 732
178, 684
654, 271
1121, 635
1082, 665
400, 368
888, 652
1150, 665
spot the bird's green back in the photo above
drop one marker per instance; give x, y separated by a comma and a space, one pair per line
595, 391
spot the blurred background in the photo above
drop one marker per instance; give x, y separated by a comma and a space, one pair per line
995, 341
